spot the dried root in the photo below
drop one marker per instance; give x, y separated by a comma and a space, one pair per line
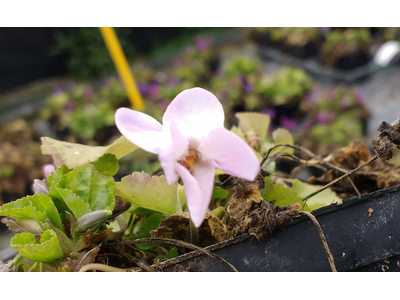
249, 213
388, 140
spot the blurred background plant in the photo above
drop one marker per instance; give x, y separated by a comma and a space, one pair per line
346, 49
88, 55
320, 118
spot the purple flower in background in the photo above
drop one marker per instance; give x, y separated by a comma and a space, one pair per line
173, 81
318, 89
326, 117
143, 88
270, 112
164, 104
330, 94
154, 89
223, 94
306, 125
88, 92
203, 44
247, 86
191, 143
58, 90
324, 30
360, 97
288, 123
308, 98
69, 106
313, 96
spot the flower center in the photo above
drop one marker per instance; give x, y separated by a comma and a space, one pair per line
188, 160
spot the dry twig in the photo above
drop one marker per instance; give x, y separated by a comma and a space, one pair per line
321, 161
324, 242
136, 260
341, 177
175, 243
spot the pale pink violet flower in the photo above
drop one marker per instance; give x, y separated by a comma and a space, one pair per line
191, 144
40, 187
48, 169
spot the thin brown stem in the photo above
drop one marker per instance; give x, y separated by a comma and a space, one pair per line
136, 260
82, 261
354, 187
194, 233
308, 153
323, 239
175, 243
306, 163
340, 178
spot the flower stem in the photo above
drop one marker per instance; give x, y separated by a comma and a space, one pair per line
194, 234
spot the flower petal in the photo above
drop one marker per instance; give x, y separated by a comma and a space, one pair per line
140, 129
178, 146
198, 189
48, 169
230, 154
196, 112
40, 187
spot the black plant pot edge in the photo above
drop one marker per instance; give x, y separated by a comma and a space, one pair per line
247, 241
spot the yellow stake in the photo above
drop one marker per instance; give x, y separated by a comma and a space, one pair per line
121, 64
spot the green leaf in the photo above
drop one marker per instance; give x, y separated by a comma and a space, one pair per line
143, 228
150, 192
238, 132
88, 185
271, 168
65, 243
52, 182
143, 212
49, 249
219, 212
173, 252
282, 136
252, 121
74, 203
74, 155
149, 224
107, 164
279, 195
219, 193
324, 198
38, 207
57, 175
